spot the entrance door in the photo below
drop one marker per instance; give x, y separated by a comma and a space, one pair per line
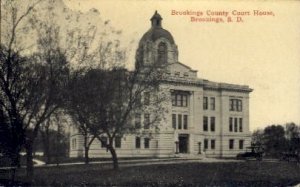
183, 143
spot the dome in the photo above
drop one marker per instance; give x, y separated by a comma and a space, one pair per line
156, 46
156, 31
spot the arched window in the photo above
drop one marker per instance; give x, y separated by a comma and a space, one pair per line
162, 53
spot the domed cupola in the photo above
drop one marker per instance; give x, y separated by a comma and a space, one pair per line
157, 45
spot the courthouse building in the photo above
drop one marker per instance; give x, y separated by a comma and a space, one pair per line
203, 117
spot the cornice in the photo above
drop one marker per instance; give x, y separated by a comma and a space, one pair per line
207, 85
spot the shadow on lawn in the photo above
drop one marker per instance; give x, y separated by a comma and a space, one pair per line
249, 173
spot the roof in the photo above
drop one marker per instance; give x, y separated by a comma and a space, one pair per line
156, 16
156, 31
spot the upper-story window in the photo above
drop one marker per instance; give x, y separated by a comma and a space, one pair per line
230, 124
174, 121
137, 121
146, 121
179, 121
241, 124
185, 121
182, 121
162, 53
103, 142
235, 124
146, 98
118, 142
205, 103
212, 124
205, 123
179, 99
212, 103
235, 105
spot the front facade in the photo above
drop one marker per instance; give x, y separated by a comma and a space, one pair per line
202, 118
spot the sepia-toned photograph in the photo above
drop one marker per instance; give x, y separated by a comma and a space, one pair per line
149, 93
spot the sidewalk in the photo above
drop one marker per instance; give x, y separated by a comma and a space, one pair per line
137, 162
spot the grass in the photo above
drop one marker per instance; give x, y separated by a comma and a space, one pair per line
251, 173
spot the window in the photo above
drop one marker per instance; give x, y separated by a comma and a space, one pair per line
186, 74
137, 120
146, 121
185, 121
179, 99
212, 103
241, 144
173, 97
138, 100
230, 124
184, 100
205, 123
74, 143
231, 103
239, 105
118, 142
205, 103
177, 74
235, 124
162, 53
212, 144
137, 142
103, 142
146, 143
205, 143
241, 124
212, 123
231, 144
182, 121
179, 121
235, 105
146, 98
174, 121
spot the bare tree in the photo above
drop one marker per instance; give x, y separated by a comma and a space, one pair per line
108, 98
31, 87
79, 121
45, 132
52, 128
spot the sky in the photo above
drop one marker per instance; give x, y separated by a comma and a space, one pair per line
262, 51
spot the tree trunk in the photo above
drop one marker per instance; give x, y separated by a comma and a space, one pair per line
86, 148
15, 157
113, 156
46, 142
29, 162
47, 155
86, 155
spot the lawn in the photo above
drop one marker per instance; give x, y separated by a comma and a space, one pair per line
251, 173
